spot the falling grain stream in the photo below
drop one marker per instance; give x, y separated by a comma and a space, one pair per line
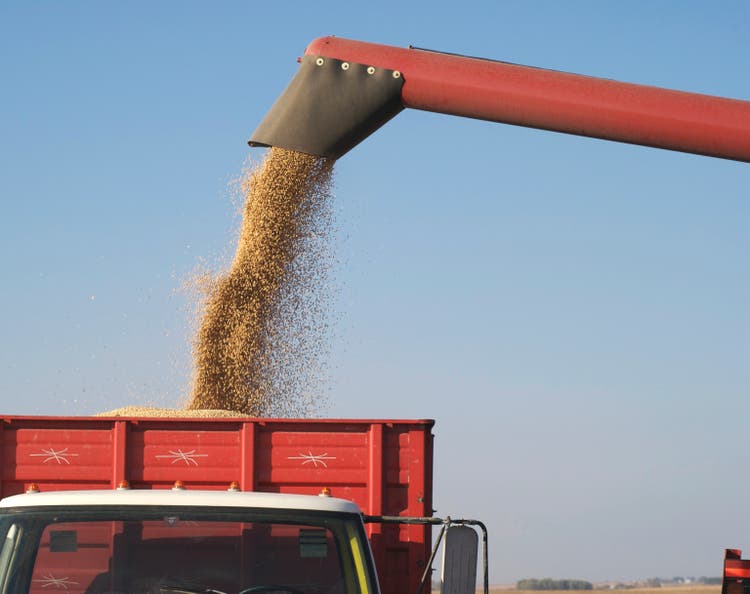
261, 331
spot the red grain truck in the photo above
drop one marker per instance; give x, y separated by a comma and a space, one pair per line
229, 505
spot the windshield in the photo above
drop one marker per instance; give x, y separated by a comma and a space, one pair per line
187, 550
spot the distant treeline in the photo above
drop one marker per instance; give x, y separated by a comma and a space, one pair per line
550, 584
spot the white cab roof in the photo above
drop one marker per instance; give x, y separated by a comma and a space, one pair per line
121, 497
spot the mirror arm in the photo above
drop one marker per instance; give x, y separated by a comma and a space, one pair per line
445, 523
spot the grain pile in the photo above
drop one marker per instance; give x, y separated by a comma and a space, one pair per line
263, 328
150, 411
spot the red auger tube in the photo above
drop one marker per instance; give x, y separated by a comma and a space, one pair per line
558, 101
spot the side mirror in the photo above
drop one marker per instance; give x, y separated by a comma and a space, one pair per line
459, 572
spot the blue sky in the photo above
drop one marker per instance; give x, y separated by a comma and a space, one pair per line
572, 312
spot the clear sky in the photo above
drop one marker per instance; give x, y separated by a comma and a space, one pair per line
573, 313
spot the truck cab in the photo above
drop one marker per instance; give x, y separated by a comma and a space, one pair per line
178, 541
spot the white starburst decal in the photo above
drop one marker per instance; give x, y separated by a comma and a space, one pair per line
187, 457
50, 581
314, 459
53, 454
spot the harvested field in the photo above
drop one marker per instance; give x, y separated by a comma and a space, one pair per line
666, 589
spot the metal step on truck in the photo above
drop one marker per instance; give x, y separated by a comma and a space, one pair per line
224, 505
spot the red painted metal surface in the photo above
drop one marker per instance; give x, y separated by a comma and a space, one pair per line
385, 466
552, 100
734, 565
736, 577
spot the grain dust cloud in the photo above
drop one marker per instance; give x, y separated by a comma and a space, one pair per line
263, 325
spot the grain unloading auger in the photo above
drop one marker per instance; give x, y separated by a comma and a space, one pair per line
345, 90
